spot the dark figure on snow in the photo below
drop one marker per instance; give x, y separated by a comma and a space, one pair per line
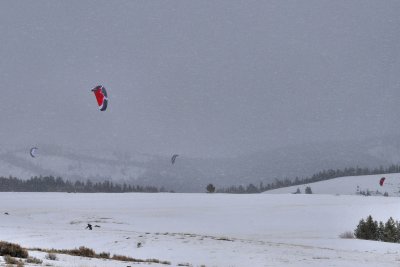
89, 226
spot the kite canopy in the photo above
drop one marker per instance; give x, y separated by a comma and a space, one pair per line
174, 158
33, 151
101, 97
382, 180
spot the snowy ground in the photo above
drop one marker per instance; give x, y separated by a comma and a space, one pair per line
201, 229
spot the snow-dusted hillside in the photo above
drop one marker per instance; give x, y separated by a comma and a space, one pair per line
201, 229
349, 185
70, 164
193, 174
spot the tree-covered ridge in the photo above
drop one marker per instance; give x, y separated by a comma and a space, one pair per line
52, 184
320, 176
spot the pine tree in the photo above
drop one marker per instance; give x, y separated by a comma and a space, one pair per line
251, 189
360, 231
210, 188
372, 229
367, 229
397, 224
381, 230
308, 190
390, 231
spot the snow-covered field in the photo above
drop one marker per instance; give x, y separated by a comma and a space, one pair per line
201, 229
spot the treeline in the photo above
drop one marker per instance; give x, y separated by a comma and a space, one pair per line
52, 184
320, 176
370, 229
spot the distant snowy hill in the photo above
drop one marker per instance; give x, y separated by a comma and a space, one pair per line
350, 185
193, 174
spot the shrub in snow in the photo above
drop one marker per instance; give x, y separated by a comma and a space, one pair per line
13, 250
11, 260
125, 258
51, 256
347, 235
34, 260
104, 255
83, 252
366, 193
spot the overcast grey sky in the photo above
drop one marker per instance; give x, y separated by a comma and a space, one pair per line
202, 78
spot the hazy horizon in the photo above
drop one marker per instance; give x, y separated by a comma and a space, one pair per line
200, 78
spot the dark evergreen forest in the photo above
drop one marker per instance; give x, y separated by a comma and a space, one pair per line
52, 184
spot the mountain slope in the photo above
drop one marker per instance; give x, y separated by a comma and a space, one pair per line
349, 185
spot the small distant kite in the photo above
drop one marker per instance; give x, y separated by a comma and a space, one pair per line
174, 158
101, 97
33, 152
382, 180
